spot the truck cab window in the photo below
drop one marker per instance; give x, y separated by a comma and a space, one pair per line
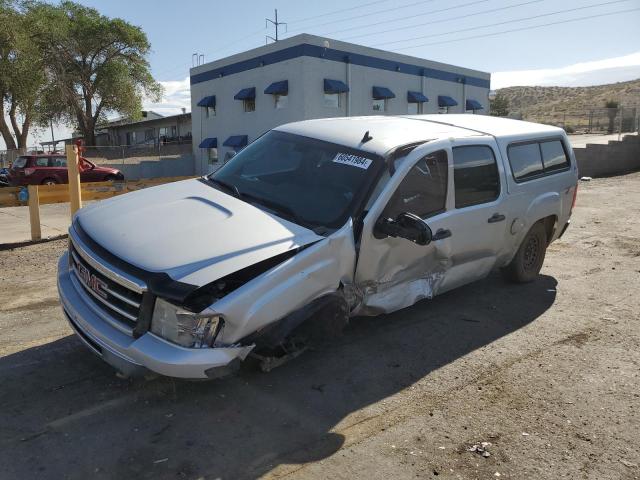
475, 175
423, 191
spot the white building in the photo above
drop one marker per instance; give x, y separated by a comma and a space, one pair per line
236, 99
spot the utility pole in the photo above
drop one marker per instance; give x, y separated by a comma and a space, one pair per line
276, 24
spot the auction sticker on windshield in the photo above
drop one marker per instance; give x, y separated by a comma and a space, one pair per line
353, 160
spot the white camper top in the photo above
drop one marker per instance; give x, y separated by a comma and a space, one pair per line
390, 132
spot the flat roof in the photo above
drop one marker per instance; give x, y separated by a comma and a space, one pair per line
305, 45
389, 132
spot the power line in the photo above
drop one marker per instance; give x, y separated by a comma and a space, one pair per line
313, 17
405, 18
397, 7
450, 19
501, 23
518, 29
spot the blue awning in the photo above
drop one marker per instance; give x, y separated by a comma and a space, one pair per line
246, 94
209, 143
380, 93
278, 88
208, 102
335, 86
236, 141
416, 97
444, 101
474, 105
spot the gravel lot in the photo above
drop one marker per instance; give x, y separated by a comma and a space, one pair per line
547, 373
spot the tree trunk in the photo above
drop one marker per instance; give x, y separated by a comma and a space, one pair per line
6, 133
23, 138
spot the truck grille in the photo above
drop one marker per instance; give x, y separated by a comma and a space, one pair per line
115, 299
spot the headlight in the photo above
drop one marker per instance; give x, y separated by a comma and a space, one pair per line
185, 328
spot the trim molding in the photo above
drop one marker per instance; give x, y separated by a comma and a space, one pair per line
315, 51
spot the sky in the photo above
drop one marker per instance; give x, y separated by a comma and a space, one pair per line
488, 35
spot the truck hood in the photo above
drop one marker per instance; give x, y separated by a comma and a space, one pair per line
189, 230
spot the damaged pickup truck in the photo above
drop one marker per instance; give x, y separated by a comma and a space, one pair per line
312, 223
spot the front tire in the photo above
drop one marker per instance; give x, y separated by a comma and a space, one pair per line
527, 263
49, 181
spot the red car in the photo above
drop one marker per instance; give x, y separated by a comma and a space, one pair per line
50, 169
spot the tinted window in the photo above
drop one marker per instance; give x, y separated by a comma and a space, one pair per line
475, 175
42, 162
423, 191
59, 162
525, 160
553, 156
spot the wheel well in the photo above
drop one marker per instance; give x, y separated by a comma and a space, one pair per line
549, 225
49, 178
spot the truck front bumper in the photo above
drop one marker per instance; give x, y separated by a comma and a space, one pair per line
138, 356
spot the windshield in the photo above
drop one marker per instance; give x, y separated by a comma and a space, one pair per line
308, 181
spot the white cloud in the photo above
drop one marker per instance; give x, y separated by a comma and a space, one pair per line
177, 95
609, 70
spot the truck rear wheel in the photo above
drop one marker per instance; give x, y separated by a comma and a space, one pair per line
528, 261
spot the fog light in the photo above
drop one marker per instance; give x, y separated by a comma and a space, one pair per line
192, 330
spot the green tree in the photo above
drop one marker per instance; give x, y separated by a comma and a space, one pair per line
98, 63
24, 82
612, 112
499, 106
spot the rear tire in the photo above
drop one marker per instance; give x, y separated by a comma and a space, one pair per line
49, 181
527, 263
110, 178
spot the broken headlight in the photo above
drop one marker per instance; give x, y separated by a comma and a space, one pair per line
188, 329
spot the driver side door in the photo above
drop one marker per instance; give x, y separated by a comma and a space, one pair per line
393, 272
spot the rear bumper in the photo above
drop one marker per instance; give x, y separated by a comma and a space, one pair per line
138, 356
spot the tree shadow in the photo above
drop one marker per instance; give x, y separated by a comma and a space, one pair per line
65, 414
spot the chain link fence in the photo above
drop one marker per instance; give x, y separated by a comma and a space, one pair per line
623, 119
154, 160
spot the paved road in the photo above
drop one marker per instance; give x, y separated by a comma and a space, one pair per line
547, 373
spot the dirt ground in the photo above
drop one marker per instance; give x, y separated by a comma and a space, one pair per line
547, 373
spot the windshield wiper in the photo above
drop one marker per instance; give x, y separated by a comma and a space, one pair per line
228, 186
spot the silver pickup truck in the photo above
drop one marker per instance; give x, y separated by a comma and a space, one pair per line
312, 223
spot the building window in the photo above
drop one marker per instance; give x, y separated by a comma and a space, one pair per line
148, 134
332, 100
281, 100
380, 105
210, 112
443, 109
249, 104
413, 109
212, 155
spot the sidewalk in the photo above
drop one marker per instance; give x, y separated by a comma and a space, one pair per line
14, 222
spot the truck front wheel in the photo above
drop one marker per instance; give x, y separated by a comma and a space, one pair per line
528, 261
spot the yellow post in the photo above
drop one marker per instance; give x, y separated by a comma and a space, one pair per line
34, 212
73, 160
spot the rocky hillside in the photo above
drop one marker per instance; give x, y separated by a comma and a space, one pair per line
570, 105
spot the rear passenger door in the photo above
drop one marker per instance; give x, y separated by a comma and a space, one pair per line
479, 219
60, 167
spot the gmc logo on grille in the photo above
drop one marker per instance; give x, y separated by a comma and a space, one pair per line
91, 281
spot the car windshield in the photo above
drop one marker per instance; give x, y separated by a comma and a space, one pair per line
308, 181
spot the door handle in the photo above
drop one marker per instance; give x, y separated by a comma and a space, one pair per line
496, 217
441, 234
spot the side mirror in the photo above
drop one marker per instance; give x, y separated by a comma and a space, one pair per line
406, 225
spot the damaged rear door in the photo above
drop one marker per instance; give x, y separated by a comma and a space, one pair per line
393, 272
